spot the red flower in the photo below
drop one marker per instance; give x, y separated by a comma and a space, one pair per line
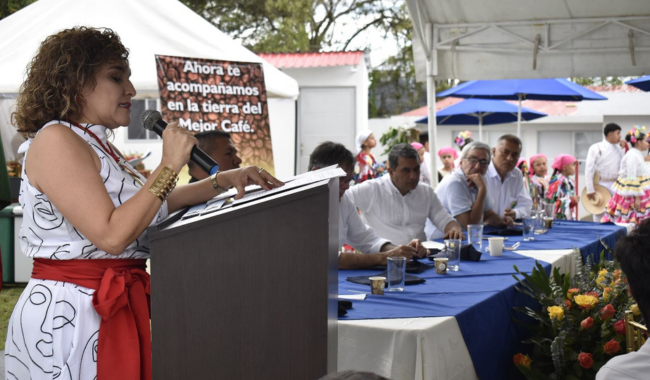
619, 327
610, 348
587, 323
607, 312
586, 360
568, 304
522, 360
594, 294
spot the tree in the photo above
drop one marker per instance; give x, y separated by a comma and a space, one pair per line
300, 25
9, 7
598, 81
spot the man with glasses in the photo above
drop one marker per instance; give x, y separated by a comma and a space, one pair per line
505, 184
464, 192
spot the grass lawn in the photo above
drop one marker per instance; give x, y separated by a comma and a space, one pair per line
8, 298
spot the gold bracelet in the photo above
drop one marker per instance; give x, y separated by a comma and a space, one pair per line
215, 184
164, 183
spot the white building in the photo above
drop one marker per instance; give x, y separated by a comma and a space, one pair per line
333, 102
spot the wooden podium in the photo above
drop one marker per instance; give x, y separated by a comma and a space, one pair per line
250, 291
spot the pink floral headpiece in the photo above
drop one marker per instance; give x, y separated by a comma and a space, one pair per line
462, 137
635, 133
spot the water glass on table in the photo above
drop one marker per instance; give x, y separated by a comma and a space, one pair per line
396, 273
540, 228
452, 252
529, 223
475, 235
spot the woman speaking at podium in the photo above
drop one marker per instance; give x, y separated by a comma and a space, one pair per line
85, 314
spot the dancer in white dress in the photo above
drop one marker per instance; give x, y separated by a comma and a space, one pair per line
84, 314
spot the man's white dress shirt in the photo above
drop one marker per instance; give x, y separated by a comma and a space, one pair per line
398, 218
603, 158
353, 232
456, 196
511, 191
632, 366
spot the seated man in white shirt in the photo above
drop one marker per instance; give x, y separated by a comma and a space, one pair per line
463, 193
633, 252
352, 230
505, 184
397, 205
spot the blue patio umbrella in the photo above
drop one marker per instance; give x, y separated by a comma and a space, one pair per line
521, 89
482, 112
642, 83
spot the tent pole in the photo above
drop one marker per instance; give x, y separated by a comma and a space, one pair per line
519, 117
432, 70
480, 127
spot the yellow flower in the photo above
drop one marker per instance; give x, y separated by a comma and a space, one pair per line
601, 280
571, 292
555, 313
606, 292
635, 310
602, 271
585, 302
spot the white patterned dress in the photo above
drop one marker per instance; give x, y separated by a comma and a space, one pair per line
54, 328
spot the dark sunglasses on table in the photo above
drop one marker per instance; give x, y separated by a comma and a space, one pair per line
474, 161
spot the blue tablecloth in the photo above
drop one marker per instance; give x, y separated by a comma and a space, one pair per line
567, 234
480, 296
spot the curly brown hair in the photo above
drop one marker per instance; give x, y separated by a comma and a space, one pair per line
65, 64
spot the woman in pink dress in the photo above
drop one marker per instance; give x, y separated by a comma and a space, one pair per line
366, 165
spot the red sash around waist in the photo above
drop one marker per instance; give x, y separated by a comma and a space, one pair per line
121, 298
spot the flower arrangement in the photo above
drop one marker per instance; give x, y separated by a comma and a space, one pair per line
462, 137
635, 133
581, 324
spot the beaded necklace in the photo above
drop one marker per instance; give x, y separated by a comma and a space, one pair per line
106, 148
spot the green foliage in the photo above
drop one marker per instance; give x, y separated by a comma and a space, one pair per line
8, 7
396, 136
573, 320
300, 25
8, 298
598, 81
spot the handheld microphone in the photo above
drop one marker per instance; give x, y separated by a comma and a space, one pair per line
152, 120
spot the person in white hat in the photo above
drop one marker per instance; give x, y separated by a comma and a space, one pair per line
366, 162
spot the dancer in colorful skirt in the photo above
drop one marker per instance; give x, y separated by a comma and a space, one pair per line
631, 198
561, 189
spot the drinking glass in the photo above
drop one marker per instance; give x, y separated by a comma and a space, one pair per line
475, 235
539, 222
452, 252
529, 228
396, 273
549, 210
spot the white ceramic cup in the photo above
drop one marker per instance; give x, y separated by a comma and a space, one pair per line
496, 246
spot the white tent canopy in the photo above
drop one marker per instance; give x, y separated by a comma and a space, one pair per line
517, 39
146, 27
